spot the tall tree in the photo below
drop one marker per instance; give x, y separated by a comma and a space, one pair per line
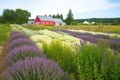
50, 15
54, 16
61, 17
0, 19
22, 16
69, 20
8, 16
57, 16
18, 16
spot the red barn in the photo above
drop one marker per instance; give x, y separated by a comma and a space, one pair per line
44, 20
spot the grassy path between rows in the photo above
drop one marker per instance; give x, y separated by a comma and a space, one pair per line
2, 56
2, 59
5, 29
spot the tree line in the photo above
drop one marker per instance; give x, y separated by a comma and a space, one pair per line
59, 16
106, 21
18, 16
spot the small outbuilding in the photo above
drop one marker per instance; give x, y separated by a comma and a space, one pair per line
58, 22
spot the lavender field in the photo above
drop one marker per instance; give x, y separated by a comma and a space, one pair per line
114, 42
60, 55
25, 61
59, 39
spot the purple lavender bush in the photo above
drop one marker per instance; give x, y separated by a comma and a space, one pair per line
35, 69
14, 32
20, 42
22, 52
17, 36
114, 43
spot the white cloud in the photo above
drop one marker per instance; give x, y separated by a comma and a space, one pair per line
77, 6
42, 7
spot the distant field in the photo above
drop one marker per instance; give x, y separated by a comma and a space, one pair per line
95, 28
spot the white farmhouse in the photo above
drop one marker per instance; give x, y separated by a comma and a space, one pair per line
58, 22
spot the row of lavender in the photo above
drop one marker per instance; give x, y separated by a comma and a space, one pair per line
25, 61
114, 43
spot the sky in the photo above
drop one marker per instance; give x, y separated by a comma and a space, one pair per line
81, 8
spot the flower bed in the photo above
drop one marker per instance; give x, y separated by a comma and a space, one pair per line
25, 61
82, 62
114, 42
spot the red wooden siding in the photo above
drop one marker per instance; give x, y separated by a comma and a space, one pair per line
41, 22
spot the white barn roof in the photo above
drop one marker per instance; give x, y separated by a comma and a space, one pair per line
57, 20
45, 18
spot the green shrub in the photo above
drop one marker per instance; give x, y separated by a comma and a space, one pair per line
60, 53
96, 62
4, 32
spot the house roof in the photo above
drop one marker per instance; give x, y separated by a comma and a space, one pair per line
45, 18
58, 20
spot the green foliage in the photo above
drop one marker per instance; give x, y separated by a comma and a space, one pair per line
115, 22
22, 16
60, 16
18, 16
0, 19
62, 54
97, 62
89, 62
69, 20
4, 33
8, 16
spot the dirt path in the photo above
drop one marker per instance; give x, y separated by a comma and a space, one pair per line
2, 57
